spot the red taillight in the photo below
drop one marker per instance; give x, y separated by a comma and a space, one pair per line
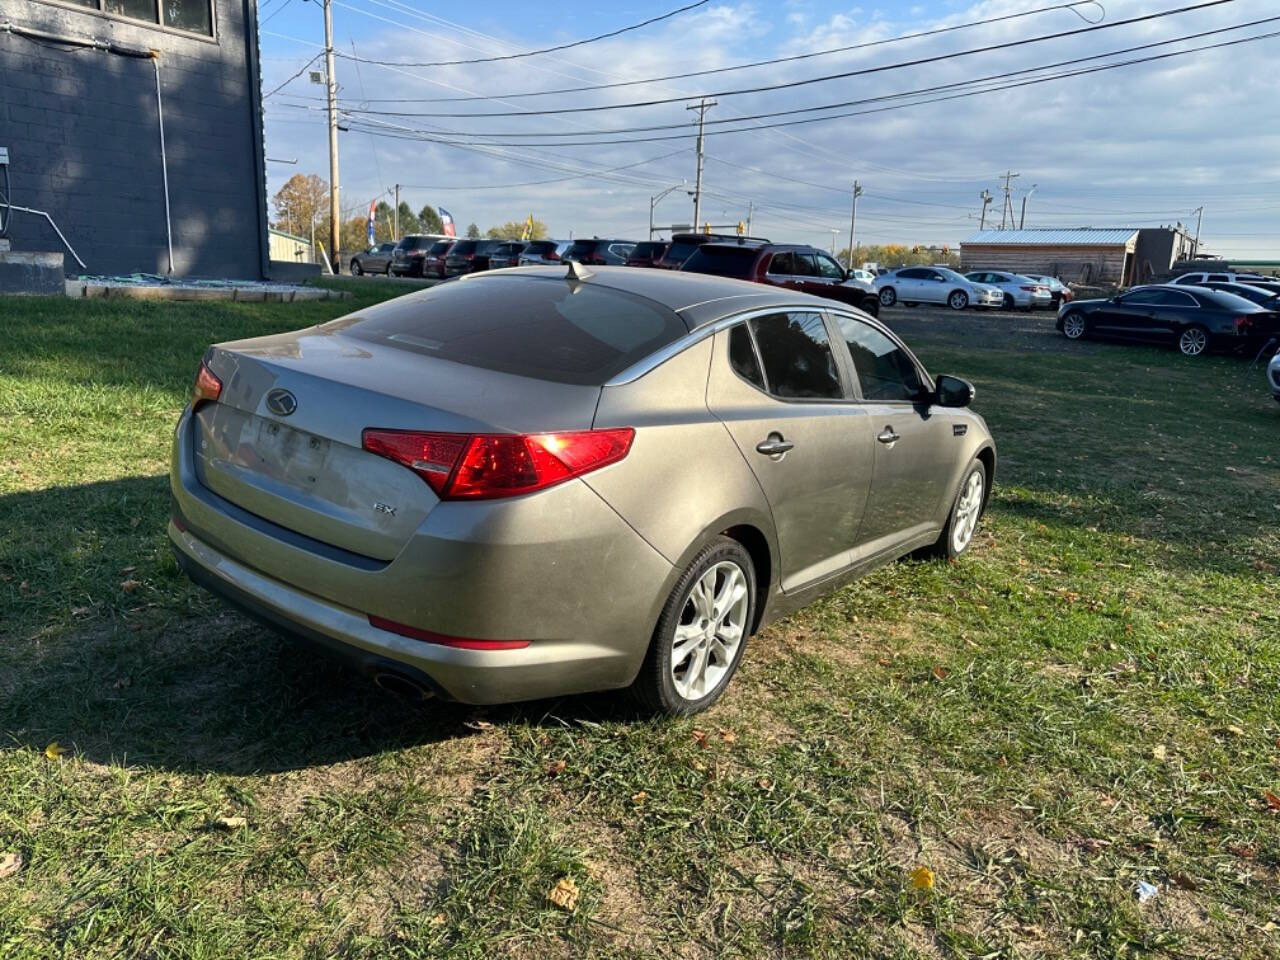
427, 636
1029, 289
207, 386
461, 466
1245, 321
553, 255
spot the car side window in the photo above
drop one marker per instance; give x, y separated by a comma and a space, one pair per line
805, 266
797, 356
1175, 298
930, 275
781, 265
742, 356
1189, 279
1219, 277
828, 268
885, 370
911, 274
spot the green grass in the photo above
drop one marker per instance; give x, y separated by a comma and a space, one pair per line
1088, 699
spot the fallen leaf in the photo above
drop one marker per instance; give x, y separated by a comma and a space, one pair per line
1159, 751
555, 768
564, 894
639, 798
1094, 844
1245, 851
10, 863
941, 673
55, 750
230, 823
1273, 802
922, 878
1234, 730
80, 611
130, 586
700, 737
439, 920
764, 783
728, 736
884, 661
1183, 882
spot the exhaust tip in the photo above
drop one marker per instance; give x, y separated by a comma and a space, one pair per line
402, 686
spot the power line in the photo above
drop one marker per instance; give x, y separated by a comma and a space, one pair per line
538, 183
919, 91
301, 70
745, 66
808, 81
899, 106
534, 53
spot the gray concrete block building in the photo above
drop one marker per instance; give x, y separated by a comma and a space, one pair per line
82, 115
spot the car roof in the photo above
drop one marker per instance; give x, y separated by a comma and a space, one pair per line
699, 298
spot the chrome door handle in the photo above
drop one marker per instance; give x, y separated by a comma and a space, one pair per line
775, 446
888, 436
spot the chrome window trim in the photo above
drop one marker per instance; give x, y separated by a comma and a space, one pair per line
663, 354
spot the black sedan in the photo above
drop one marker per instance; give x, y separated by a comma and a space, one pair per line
1194, 318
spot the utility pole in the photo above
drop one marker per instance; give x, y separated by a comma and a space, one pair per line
985, 197
1022, 221
853, 220
395, 230
1195, 244
331, 86
751, 205
1008, 198
702, 107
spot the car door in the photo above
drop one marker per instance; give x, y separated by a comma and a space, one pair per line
781, 271
908, 284
1171, 310
933, 289
914, 446
1129, 315
780, 390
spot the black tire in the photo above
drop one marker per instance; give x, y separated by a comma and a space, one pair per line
1074, 325
387, 272
356, 269
958, 300
945, 547
871, 306
654, 686
1008, 302
1193, 340
888, 296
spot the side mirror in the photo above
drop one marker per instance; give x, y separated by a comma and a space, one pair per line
953, 391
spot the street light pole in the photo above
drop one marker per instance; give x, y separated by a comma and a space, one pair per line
653, 202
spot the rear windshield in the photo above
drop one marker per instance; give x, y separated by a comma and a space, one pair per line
440, 247
465, 246
540, 247
581, 248
647, 249
680, 250
530, 326
413, 243
722, 261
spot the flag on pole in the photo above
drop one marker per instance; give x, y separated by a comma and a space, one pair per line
372, 206
446, 218
527, 232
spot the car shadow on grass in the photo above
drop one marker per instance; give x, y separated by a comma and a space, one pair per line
106, 647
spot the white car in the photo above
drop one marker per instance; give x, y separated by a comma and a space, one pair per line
1019, 291
1273, 376
1195, 279
866, 276
912, 285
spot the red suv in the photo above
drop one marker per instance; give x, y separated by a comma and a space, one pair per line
794, 266
683, 244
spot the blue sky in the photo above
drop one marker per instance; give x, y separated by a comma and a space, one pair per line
1141, 145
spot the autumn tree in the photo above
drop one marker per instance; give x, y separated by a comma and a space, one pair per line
514, 230
302, 205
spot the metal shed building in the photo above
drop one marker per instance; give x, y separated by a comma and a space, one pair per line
1087, 255
137, 126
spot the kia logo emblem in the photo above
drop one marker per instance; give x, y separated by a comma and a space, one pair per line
281, 402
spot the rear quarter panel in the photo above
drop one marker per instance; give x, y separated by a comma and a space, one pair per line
686, 480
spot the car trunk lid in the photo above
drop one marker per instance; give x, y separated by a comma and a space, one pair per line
284, 440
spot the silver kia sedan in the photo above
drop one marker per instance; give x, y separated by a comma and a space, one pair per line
527, 483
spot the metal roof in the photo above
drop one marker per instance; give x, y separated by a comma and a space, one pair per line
1082, 237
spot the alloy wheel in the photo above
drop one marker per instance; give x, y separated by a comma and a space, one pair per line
712, 625
888, 297
1193, 341
1073, 326
968, 509
958, 300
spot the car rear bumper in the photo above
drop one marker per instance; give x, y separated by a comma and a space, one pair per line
558, 568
